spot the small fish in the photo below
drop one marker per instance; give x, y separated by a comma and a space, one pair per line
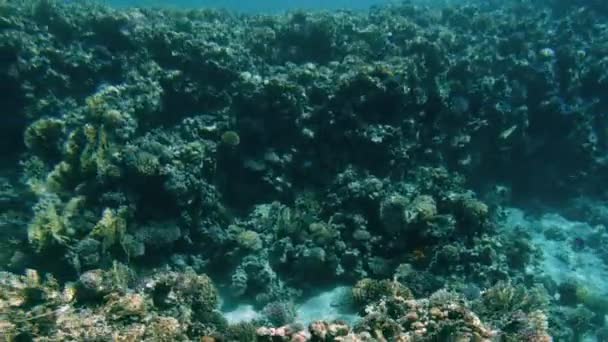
507, 133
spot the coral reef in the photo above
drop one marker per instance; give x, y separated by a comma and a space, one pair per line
167, 307
162, 165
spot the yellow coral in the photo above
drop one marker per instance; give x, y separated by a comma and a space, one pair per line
43, 134
250, 240
90, 133
111, 228
97, 104
97, 154
54, 180
71, 147
113, 117
51, 224
147, 164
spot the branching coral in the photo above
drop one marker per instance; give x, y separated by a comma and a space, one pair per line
51, 225
43, 137
111, 228
504, 298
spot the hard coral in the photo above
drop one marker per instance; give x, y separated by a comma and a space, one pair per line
249, 240
368, 291
51, 225
111, 228
424, 320
43, 137
243, 331
187, 291
279, 313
